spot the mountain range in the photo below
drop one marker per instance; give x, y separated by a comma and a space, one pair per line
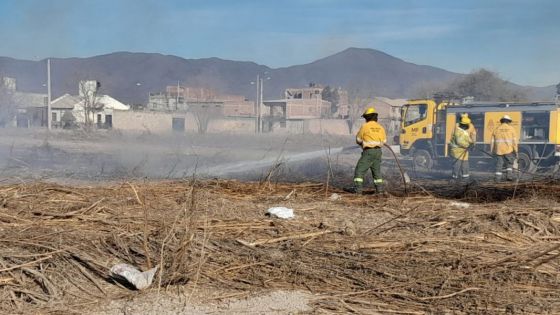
129, 77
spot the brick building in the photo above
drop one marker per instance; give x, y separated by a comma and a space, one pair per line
181, 98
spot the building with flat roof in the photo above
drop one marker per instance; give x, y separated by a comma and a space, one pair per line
182, 99
298, 104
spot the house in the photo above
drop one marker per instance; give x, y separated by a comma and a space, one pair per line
62, 111
21, 109
103, 117
31, 109
237, 106
297, 105
182, 99
69, 109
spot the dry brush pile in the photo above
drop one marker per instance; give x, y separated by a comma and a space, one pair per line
423, 253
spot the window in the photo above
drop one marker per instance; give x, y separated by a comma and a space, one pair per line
53, 117
415, 113
178, 124
535, 126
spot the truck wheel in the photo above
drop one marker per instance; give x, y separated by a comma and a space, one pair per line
422, 160
525, 164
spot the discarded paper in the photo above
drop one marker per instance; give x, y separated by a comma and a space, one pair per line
281, 212
461, 205
334, 197
139, 279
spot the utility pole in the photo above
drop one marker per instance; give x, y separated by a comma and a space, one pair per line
261, 104
49, 115
177, 100
257, 104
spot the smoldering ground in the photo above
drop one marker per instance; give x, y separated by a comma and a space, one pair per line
70, 156
62, 155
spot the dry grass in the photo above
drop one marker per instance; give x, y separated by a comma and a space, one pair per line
412, 254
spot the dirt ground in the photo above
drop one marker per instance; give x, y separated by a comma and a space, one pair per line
276, 302
431, 247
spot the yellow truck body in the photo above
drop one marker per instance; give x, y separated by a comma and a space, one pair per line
426, 129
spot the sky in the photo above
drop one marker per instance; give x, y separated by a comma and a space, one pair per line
519, 39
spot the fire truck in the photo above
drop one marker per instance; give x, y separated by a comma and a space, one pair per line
427, 126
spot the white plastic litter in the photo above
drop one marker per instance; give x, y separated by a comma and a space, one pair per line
139, 279
335, 197
461, 205
281, 212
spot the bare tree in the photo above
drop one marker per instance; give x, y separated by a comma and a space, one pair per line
355, 110
485, 85
68, 120
89, 95
204, 113
8, 108
331, 95
426, 90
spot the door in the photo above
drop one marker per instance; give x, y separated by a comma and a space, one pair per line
108, 121
178, 124
416, 125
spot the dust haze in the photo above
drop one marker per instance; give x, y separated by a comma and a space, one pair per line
66, 155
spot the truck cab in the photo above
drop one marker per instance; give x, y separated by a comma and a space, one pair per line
418, 128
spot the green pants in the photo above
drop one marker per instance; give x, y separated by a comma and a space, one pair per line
504, 161
370, 159
460, 169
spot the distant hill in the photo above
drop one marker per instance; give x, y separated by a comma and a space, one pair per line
363, 72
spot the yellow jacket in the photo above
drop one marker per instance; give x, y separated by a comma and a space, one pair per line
460, 142
472, 133
504, 140
371, 135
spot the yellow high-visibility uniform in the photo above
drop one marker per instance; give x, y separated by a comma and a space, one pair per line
504, 140
472, 133
371, 135
460, 142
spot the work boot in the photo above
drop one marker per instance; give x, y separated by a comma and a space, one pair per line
379, 189
498, 178
509, 176
358, 186
354, 190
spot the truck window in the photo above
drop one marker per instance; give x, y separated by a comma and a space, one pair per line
415, 113
535, 126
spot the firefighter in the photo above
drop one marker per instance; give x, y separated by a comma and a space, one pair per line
461, 141
504, 146
371, 137
471, 130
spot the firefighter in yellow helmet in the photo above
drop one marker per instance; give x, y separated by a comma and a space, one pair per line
471, 130
504, 145
371, 137
461, 141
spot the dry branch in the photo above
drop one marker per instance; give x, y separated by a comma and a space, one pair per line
404, 255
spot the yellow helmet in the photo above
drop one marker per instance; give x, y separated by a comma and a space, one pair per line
465, 120
369, 111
